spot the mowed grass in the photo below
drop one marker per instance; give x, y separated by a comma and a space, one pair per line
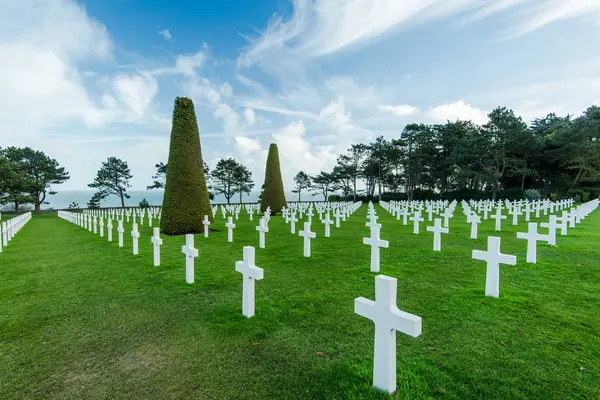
81, 318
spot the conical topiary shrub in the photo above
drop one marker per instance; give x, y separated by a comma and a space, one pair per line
273, 195
186, 200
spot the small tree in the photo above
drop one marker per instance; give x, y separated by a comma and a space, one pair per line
94, 202
324, 183
302, 181
113, 178
144, 203
243, 180
73, 206
273, 195
160, 177
38, 173
223, 178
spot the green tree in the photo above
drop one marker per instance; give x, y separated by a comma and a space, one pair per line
273, 195
112, 178
39, 173
243, 182
144, 203
159, 177
73, 206
302, 181
323, 184
12, 183
350, 165
223, 178
186, 198
94, 202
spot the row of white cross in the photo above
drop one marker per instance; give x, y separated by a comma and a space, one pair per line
9, 228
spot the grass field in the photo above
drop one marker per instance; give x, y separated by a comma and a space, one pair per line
81, 318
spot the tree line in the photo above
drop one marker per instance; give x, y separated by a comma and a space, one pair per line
553, 156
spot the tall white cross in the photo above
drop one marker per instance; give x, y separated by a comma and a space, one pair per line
494, 258
262, 229
120, 230
552, 227
293, 221
157, 241
532, 236
388, 319
437, 230
190, 254
416, 218
337, 216
95, 225
101, 227
109, 229
307, 235
206, 223
499, 217
375, 242
327, 222
135, 235
250, 273
230, 225
474, 220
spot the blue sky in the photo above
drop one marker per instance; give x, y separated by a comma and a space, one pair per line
96, 78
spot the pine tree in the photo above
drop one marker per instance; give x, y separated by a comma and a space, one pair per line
186, 199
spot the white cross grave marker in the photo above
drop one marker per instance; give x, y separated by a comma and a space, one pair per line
120, 230
388, 319
375, 242
230, 225
437, 230
307, 235
206, 223
262, 228
135, 235
190, 254
250, 273
532, 236
494, 258
327, 222
157, 241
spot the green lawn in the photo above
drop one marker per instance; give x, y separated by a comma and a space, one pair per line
81, 318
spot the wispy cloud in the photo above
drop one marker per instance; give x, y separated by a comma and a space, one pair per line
166, 34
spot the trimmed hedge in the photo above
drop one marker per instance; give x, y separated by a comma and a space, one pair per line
186, 200
273, 195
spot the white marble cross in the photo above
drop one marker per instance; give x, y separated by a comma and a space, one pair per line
109, 229
101, 227
262, 229
190, 254
157, 241
494, 258
230, 225
498, 217
307, 235
552, 227
416, 218
474, 220
532, 236
95, 225
120, 230
437, 230
206, 223
375, 242
293, 221
388, 319
327, 222
250, 273
135, 235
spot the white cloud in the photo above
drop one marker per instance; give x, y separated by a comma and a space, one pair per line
136, 92
457, 110
166, 34
226, 90
402, 109
230, 118
186, 65
322, 27
250, 116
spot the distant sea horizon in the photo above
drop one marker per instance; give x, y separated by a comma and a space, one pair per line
62, 199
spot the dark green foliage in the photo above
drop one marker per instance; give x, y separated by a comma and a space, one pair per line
324, 183
186, 200
29, 175
230, 177
144, 203
159, 177
94, 202
242, 178
273, 195
73, 206
112, 178
302, 181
